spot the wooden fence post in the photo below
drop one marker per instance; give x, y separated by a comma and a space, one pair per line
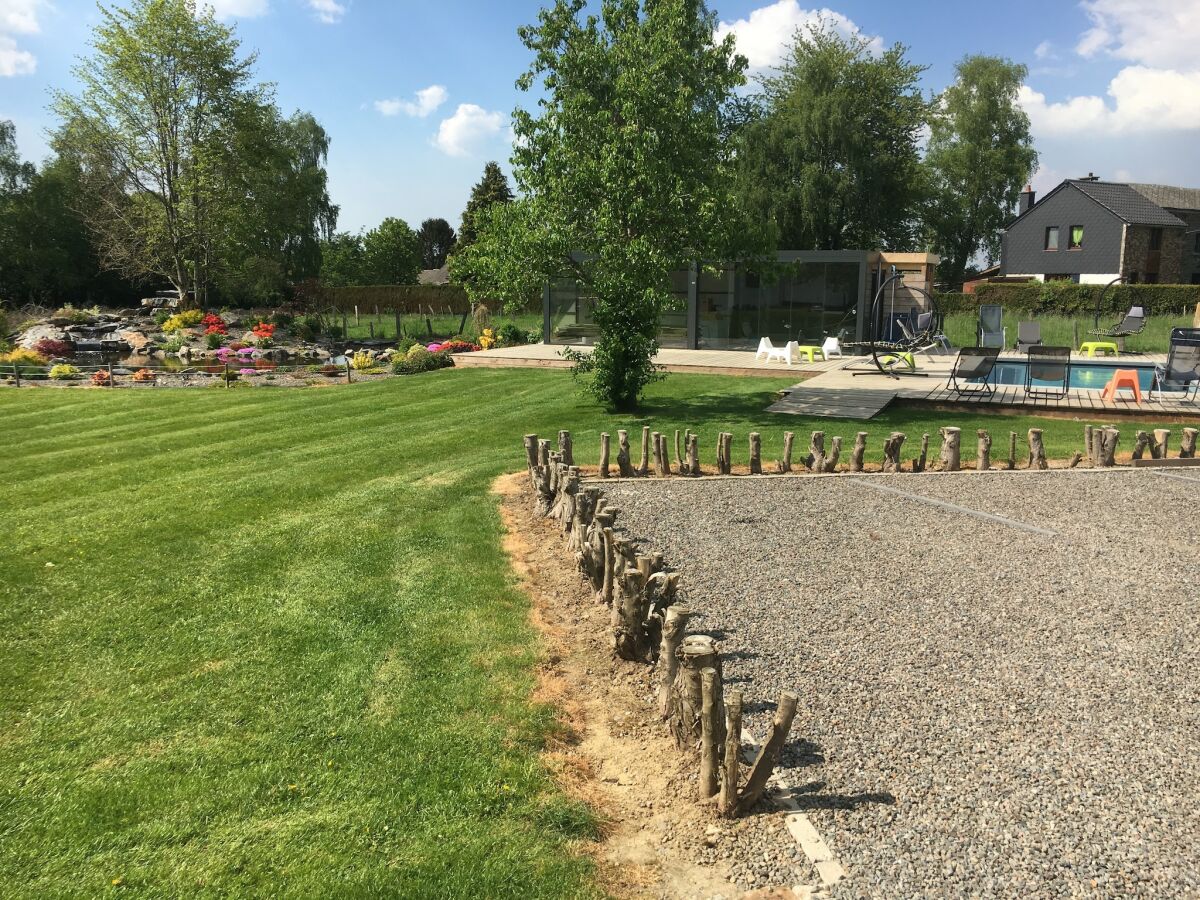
604, 446
768, 755
1012, 451
668, 660
565, 448
644, 463
891, 451
755, 453
693, 455
983, 450
815, 460
860, 449
1037, 452
1187, 444
835, 453
708, 733
785, 464
623, 465
733, 747
951, 451
1162, 439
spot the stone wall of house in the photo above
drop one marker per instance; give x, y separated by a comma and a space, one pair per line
1135, 258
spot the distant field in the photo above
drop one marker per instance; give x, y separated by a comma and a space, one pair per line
1061, 330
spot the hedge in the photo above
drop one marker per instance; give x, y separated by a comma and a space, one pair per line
1070, 299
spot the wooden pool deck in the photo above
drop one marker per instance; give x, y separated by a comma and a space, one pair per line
830, 388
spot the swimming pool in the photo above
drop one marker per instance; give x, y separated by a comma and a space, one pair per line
1084, 376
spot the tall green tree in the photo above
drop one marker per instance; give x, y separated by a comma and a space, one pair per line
492, 188
623, 170
980, 155
830, 157
343, 260
175, 139
391, 253
437, 240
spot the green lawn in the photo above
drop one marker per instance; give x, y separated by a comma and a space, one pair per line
266, 642
1060, 331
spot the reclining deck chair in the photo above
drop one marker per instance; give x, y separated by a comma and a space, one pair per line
974, 366
991, 327
1182, 370
1052, 364
1029, 334
1133, 323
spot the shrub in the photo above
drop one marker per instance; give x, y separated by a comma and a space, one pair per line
23, 357
307, 327
329, 370
264, 334
100, 378
1068, 298
361, 361
143, 376
334, 331
416, 352
76, 316
64, 372
161, 316
487, 339
175, 344
404, 345
188, 318
413, 364
51, 348
510, 335
282, 319
457, 346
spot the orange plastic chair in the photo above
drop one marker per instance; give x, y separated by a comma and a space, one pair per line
1123, 378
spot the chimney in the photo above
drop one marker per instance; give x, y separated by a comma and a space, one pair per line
1026, 200
1091, 177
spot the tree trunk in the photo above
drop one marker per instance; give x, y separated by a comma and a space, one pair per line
709, 754
623, 465
983, 450
755, 453
643, 467
891, 451
1076, 458
768, 755
679, 465
656, 449
564, 447
1087, 444
696, 653
1108, 448
785, 464
531, 451
1187, 444
727, 453
831, 463
1011, 463
816, 452
733, 749
951, 448
922, 460
1162, 439
693, 455
604, 448
860, 449
1037, 452
1141, 442
668, 661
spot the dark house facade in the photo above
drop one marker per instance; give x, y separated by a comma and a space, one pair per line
1092, 232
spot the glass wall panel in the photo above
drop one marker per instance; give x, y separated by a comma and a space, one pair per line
840, 317
672, 331
570, 314
721, 322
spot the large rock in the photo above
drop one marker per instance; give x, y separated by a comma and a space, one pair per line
137, 340
41, 332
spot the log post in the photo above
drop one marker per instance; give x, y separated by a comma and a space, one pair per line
1162, 439
860, 449
835, 452
656, 449
1037, 452
922, 460
679, 467
733, 748
785, 464
1076, 458
721, 454
727, 451
816, 452
891, 451
643, 467
1141, 442
1011, 463
693, 455
768, 755
544, 453
951, 451
531, 451
665, 472
696, 653
564, 447
1108, 449
709, 759
755, 453
668, 661
623, 465
1098, 446
1087, 444
604, 448
1187, 443
983, 450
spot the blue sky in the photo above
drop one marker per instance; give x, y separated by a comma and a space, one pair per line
417, 95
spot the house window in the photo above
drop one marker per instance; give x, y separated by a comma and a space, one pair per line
1076, 238
1052, 237
1155, 239
1061, 276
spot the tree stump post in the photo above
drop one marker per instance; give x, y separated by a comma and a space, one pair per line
891, 451
531, 451
815, 460
709, 756
1110, 437
1076, 457
727, 453
656, 450
1011, 462
768, 755
835, 453
983, 450
1087, 444
922, 460
951, 451
696, 653
1037, 452
544, 453
693, 455
623, 464
679, 466
673, 627
604, 448
643, 466
666, 457
733, 748
785, 464
565, 448
1162, 440
755, 453
1098, 446
1141, 443
1187, 443
860, 449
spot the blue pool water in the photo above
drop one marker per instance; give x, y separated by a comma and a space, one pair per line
1084, 376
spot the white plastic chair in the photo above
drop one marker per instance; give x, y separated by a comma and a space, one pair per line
831, 348
770, 351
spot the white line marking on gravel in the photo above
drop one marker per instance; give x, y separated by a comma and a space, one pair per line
976, 513
1176, 477
800, 827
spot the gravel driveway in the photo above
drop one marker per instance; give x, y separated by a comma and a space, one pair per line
989, 707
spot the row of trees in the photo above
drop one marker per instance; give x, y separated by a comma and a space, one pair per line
643, 157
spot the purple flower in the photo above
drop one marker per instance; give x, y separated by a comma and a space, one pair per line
247, 371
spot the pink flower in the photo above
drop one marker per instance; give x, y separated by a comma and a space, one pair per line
434, 348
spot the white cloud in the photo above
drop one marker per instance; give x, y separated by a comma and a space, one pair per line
428, 100
236, 9
1143, 31
1045, 50
17, 17
1142, 100
328, 11
764, 37
469, 127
